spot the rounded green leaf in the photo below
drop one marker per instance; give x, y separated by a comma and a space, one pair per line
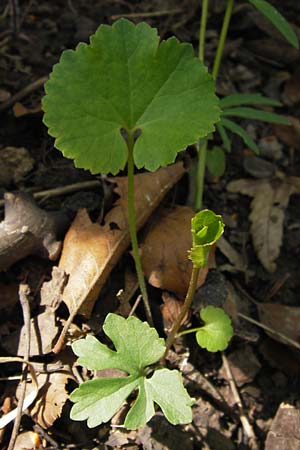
216, 161
207, 227
125, 80
217, 331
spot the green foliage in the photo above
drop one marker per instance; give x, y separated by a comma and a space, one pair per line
273, 15
125, 80
216, 161
256, 114
137, 347
237, 129
247, 99
217, 331
207, 227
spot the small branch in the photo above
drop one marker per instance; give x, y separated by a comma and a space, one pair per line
282, 337
63, 190
24, 292
23, 93
247, 427
164, 12
187, 303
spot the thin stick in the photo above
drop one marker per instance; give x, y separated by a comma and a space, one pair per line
247, 427
136, 304
63, 190
271, 330
164, 12
24, 292
184, 310
23, 93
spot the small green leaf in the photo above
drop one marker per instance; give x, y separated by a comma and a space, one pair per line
217, 331
216, 161
235, 128
256, 114
207, 227
126, 80
247, 99
137, 347
224, 136
277, 20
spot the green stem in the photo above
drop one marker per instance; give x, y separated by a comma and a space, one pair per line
190, 330
187, 303
200, 174
132, 228
223, 35
202, 31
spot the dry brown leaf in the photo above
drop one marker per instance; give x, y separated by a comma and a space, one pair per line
281, 318
43, 331
20, 110
28, 440
244, 365
90, 251
270, 199
164, 252
291, 91
289, 134
51, 397
170, 310
284, 433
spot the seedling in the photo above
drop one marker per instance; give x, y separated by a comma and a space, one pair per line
233, 105
127, 99
138, 350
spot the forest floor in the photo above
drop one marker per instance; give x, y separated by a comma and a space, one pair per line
256, 273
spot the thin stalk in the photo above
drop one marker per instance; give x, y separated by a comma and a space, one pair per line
187, 303
200, 174
222, 40
202, 31
132, 228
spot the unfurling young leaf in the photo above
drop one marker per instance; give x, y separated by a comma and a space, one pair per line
277, 20
207, 227
137, 347
217, 331
126, 81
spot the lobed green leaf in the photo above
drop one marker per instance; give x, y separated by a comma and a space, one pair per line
137, 347
217, 331
216, 161
125, 80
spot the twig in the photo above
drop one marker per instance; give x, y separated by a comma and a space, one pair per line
24, 292
136, 304
247, 427
165, 12
271, 330
56, 192
38, 429
23, 93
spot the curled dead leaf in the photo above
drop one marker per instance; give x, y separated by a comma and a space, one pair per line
270, 199
90, 251
164, 251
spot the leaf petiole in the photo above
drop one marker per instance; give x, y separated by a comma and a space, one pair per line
132, 227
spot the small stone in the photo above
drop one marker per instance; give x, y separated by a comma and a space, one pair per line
258, 167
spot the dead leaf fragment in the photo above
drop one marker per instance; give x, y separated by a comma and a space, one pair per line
52, 396
43, 331
170, 309
28, 440
28, 230
90, 251
164, 252
284, 432
289, 134
270, 199
15, 163
282, 318
291, 92
20, 110
244, 365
